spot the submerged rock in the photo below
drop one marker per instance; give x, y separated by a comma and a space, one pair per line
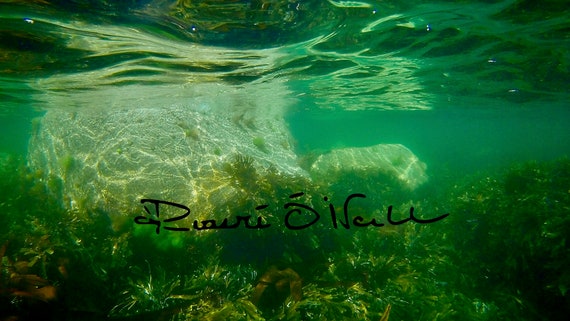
218, 150
190, 154
382, 164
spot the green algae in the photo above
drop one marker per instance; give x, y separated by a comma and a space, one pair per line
514, 223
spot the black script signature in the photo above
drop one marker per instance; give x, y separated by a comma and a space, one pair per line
206, 224
300, 216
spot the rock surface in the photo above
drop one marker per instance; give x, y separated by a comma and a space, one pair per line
111, 159
381, 162
204, 153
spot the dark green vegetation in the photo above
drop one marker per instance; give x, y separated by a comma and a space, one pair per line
502, 254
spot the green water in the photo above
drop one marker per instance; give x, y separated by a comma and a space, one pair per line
233, 108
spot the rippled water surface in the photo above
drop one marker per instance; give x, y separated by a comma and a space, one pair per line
471, 70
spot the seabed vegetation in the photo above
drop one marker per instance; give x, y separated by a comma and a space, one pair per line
502, 254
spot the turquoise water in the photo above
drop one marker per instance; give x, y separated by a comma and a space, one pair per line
218, 108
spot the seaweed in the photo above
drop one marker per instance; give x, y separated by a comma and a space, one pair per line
242, 170
147, 293
259, 143
513, 224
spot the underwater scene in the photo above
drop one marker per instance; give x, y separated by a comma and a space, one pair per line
212, 160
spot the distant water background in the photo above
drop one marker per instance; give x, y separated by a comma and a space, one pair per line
464, 84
